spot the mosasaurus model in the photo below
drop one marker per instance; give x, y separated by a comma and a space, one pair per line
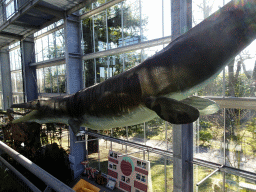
161, 84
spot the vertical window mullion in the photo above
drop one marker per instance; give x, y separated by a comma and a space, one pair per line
106, 20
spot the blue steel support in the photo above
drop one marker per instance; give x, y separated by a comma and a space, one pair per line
74, 84
182, 134
29, 73
6, 79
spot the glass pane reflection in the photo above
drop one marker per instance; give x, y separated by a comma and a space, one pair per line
209, 141
126, 23
240, 139
52, 79
152, 23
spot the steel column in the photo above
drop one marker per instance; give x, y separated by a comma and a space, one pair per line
181, 11
74, 83
73, 54
182, 158
29, 73
6, 79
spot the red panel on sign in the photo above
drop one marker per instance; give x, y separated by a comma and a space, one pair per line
141, 171
124, 186
112, 173
140, 186
112, 160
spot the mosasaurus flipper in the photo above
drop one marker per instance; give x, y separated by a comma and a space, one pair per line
171, 110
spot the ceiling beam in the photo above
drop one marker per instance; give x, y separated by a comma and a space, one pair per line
79, 6
10, 35
25, 25
50, 11
21, 12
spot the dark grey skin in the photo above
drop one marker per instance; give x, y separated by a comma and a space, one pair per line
161, 84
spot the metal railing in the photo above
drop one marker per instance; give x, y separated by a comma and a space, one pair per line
24, 183
47, 178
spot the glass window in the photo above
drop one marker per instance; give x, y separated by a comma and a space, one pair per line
151, 23
209, 138
52, 26
40, 80
50, 46
100, 32
15, 59
126, 23
17, 83
45, 41
214, 183
114, 25
10, 8
201, 9
52, 79
55, 85
17, 98
94, 4
48, 80
39, 50
167, 17
131, 23
226, 137
16, 74
52, 51
60, 44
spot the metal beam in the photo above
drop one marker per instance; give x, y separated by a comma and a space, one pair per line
25, 25
49, 32
11, 35
48, 63
235, 102
79, 6
21, 12
131, 144
50, 11
226, 169
208, 176
143, 45
100, 8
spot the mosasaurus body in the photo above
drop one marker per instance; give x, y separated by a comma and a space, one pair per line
161, 84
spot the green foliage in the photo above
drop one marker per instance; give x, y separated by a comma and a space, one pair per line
205, 136
242, 86
213, 88
205, 124
251, 127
